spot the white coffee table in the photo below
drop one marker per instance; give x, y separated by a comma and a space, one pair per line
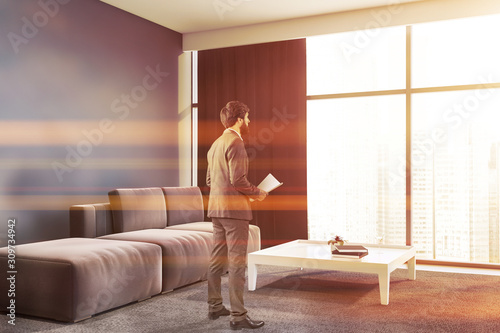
381, 260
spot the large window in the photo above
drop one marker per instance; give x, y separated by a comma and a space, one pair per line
424, 98
353, 62
354, 147
455, 175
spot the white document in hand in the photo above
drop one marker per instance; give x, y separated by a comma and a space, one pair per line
269, 183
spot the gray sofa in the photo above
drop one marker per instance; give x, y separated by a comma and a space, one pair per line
145, 241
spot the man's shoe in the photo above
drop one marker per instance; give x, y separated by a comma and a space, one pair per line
217, 314
246, 323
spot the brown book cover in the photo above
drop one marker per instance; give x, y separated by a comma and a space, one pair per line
349, 255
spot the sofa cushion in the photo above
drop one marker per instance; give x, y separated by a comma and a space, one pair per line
185, 254
193, 226
137, 209
74, 278
184, 205
253, 232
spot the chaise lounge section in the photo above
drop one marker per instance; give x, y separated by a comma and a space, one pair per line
74, 278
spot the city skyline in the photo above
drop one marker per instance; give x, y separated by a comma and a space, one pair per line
455, 192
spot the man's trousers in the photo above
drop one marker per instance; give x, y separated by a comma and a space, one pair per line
229, 252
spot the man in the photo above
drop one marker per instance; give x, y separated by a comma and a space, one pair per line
229, 208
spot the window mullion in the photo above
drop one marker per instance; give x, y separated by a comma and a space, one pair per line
408, 137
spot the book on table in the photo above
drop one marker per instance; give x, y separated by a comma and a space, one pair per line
348, 255
350, 248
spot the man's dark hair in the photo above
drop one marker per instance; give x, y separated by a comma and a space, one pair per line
231, 112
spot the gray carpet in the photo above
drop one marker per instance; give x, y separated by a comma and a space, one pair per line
291, 300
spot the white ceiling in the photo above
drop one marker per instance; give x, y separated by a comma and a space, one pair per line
188, 16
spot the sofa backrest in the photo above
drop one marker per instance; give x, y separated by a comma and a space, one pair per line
184, 205
137, 209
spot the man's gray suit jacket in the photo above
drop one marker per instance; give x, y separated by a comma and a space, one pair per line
230, 189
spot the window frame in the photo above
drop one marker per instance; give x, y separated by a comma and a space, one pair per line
409, 91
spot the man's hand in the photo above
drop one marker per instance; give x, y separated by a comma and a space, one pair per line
263, 194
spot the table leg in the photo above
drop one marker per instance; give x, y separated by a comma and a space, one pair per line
252, 276
412, 269
383, 283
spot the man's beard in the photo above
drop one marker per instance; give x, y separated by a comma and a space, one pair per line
244, 129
